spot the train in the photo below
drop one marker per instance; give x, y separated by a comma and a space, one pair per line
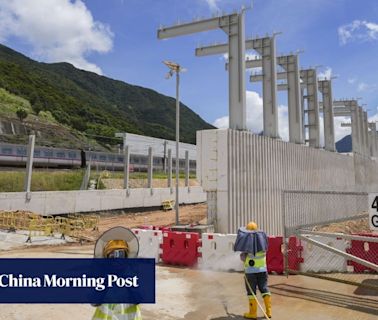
49, 157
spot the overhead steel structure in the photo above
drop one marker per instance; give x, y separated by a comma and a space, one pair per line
266, 48
233, 25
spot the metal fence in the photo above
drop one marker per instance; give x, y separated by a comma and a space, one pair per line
314, 245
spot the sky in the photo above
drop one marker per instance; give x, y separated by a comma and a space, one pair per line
118, 39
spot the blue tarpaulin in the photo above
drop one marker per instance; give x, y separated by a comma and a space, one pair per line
251, 241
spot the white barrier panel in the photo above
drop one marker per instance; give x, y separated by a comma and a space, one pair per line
316, 259
218, 252
149, 243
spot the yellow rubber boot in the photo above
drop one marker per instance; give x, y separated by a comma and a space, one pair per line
252, 314
268, 305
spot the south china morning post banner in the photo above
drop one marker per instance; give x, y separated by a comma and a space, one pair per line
94, 281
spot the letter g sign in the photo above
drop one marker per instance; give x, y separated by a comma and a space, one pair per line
373, 211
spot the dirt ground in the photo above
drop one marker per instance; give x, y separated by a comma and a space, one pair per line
142, 183
348, 227
189, 214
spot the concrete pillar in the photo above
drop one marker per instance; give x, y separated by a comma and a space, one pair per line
236, 74
294, 100
269, 69
165, 157
310, 79
29, 164
186, 168
303, 114
126, 166
366, 131
150, 168
170, 168
356, 135
325, 87
372, 134
361, 130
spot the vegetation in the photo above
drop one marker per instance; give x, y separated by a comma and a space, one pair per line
60, 180
91, 103
10, 103
21, 114
13, 181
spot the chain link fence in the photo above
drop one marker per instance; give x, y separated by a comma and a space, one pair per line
327, 236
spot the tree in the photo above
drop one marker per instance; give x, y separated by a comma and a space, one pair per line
21, 114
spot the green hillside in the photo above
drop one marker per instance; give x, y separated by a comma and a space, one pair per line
94, 104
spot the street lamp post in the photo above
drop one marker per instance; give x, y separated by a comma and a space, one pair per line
176, 68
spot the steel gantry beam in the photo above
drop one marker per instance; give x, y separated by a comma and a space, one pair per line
267, 49
325, 87
310, 79
234, 26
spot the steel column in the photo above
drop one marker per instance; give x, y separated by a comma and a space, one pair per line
29, 164
150, 168
126, 166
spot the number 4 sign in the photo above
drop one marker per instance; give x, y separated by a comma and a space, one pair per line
373, 211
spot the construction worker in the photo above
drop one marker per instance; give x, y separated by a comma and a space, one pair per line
119, 243
253, 244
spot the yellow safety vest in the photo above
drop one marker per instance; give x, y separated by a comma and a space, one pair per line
118, 311
255, 263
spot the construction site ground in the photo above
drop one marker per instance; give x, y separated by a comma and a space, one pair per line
193, 294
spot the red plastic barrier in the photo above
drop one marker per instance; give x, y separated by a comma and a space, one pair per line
294, 253
180, 248
274, 256
364, 250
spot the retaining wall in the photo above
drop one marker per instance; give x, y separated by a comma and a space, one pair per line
60, 202
244, 175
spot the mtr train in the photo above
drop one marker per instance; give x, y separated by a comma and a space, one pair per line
46, 157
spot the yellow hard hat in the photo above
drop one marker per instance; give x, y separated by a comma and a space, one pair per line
117, 238
252, 226
115, 245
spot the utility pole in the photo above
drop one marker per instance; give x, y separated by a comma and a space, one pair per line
176, 69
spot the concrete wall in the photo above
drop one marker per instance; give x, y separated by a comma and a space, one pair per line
244, 175
59, 202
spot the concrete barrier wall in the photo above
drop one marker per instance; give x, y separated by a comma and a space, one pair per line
60, 202
244, 175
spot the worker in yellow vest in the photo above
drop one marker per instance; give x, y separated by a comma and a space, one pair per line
253, 244
117, 243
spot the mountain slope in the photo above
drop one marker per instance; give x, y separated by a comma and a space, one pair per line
94, 104
344, 144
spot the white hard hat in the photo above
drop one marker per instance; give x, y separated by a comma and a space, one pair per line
117, 233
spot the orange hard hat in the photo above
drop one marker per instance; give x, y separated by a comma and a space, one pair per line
252, 226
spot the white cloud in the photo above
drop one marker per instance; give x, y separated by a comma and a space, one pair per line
358, 30
352, 80
327, 74
365, 87
255, 116
255, 119
58, 30
213, 5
